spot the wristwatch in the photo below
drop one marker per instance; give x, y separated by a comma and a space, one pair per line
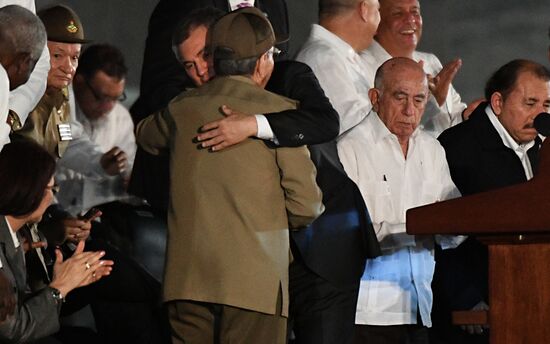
57, 296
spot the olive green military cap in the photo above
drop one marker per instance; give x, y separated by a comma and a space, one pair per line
241, 34
62, 25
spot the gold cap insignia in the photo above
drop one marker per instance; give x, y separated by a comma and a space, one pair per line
72, 28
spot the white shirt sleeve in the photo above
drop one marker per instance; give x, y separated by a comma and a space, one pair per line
347, 91
25, 98
4, 96
264, 129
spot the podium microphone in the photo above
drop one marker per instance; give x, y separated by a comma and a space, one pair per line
542, 123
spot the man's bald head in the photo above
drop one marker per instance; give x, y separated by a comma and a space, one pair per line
335, 7
394, 67
399, 96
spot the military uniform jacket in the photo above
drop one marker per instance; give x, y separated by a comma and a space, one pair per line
43, 122
229, 211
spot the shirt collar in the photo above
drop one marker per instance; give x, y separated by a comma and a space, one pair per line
379, 53
13, 234
504, 135
379, 130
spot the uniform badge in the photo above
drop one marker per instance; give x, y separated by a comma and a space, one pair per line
72, 28
65, 133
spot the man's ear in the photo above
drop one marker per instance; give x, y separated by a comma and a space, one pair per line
259, 64
374, 96
496, 102
363, 10
18, 68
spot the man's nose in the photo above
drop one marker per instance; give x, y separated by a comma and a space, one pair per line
202, 68
410, 18
67, 66
409, 109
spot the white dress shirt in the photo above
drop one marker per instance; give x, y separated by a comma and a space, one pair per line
236, 4
4, 97
396, 285
436, 118
508, 141
343, 75
79, 192
25, 97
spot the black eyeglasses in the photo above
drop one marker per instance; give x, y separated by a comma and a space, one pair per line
103, 98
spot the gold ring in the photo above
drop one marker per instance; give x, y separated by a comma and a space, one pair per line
88, 266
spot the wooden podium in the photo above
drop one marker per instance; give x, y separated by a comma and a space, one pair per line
515, 224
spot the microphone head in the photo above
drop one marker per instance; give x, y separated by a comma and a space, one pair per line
542, 123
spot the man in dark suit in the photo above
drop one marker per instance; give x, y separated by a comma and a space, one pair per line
498, 146
330, 254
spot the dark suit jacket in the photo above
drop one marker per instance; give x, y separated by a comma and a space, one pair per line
36, 316
336, 245
479, 161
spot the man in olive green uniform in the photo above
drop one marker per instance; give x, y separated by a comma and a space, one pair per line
51, 124
226, 276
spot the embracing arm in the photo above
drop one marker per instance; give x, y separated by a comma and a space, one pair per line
153, 132
315, 121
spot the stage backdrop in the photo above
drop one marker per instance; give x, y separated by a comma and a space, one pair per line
485, 34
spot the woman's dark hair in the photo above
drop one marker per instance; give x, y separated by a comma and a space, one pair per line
25, 171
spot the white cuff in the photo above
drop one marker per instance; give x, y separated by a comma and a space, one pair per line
264, 129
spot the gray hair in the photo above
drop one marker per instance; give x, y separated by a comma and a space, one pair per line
235, 67
21, 31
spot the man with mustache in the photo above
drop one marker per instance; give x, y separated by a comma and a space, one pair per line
398, 35
496, 147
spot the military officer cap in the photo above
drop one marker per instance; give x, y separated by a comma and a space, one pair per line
62, 25
241, 34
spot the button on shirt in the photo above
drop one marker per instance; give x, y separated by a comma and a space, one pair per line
341, 73
396, 285
508, 141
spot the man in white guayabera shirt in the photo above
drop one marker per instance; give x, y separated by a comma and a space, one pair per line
346, 27
397, 166
398, 35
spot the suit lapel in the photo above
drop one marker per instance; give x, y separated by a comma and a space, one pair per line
14, 256
495, 152
533, 154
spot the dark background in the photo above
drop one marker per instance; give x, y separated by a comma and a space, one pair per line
484, 33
